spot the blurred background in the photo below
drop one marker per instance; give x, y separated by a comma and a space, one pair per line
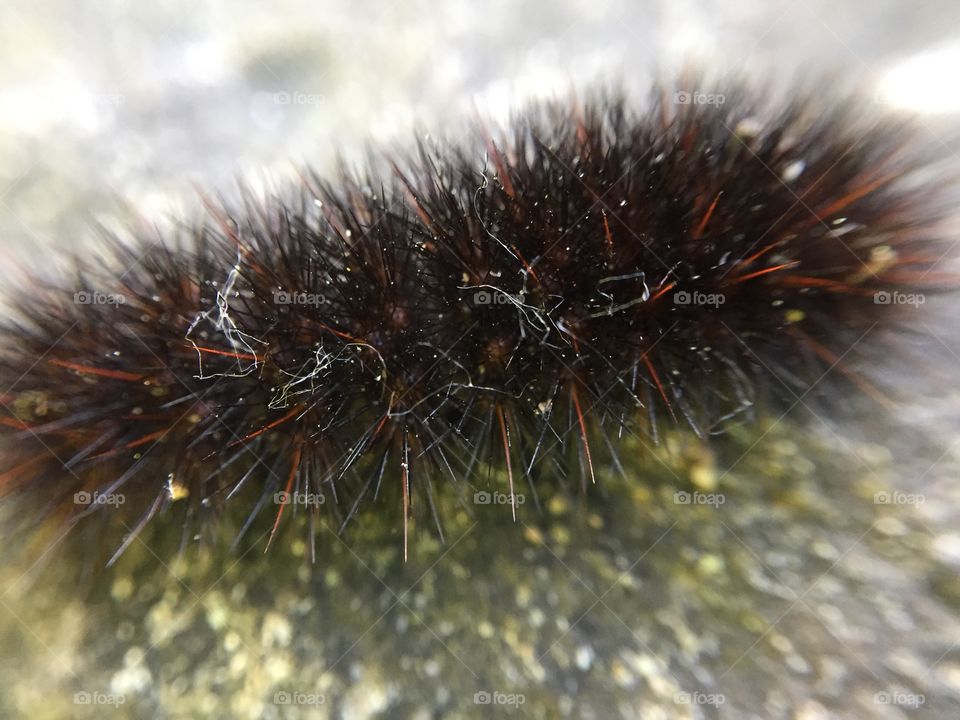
801, 598
111, 100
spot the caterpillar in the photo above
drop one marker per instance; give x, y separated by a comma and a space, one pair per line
515, 302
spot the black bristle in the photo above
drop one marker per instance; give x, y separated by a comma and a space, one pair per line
590, 272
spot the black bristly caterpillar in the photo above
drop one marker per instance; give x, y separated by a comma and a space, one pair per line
507, 300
